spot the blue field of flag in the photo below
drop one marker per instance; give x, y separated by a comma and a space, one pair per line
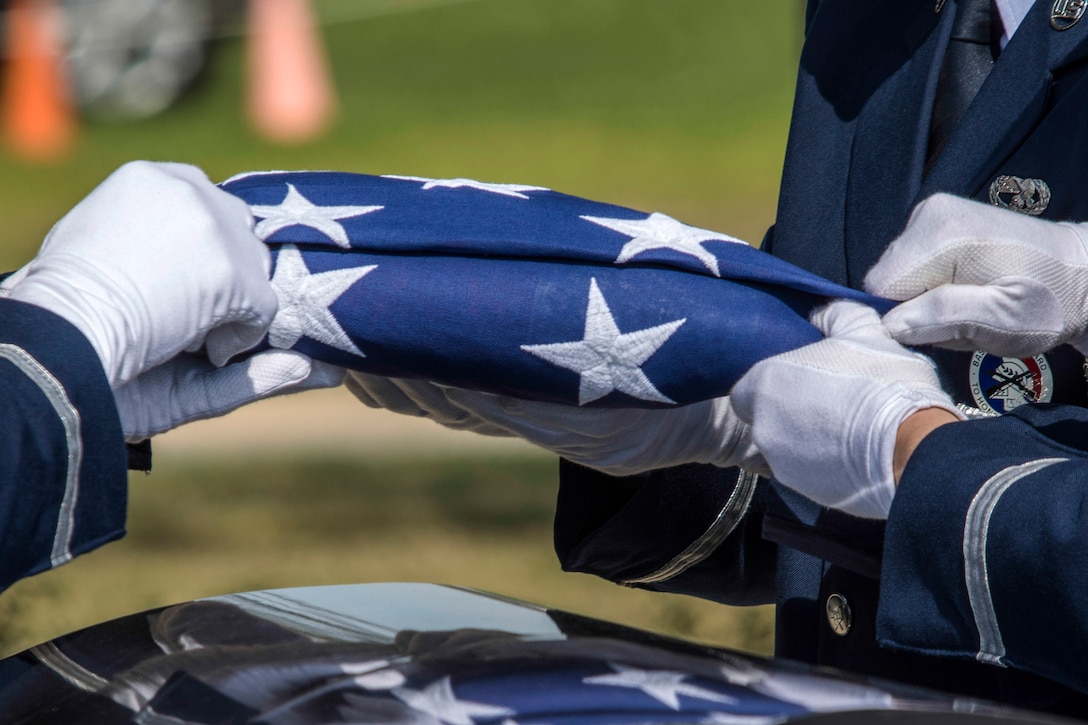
520, 290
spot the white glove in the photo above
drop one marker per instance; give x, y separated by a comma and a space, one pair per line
154, 261
11, 280
825, 416
190, 388
419, 399
982, 278
620, 442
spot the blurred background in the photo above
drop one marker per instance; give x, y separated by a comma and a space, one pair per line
680, 107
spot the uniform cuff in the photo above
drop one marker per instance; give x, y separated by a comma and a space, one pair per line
687, 529
67, 491
958, 558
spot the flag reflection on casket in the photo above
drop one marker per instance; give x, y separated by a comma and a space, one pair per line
521, 290
419, 653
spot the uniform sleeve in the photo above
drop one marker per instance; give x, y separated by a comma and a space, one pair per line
986, 550
693, 529
63, 483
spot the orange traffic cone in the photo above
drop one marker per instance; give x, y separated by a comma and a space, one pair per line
291, 96
38, 121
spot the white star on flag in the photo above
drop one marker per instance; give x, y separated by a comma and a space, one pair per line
297, 209
662, 685
438, 701
514, 190
660, 231
607, 359
304, 301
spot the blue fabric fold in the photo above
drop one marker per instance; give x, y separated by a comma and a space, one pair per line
520, 290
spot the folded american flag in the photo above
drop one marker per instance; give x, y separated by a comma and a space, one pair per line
520, 290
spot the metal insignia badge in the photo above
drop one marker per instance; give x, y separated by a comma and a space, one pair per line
1000, 384
1066, 13
1027, 196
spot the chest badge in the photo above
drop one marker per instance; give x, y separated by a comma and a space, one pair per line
1000, 384
1066, 13
1027, 196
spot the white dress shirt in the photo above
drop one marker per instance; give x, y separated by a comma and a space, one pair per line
1012, 12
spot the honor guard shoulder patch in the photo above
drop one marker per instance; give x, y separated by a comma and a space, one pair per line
1000, 384
1027, 196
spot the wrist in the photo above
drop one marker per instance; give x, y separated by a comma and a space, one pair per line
61, 302
912, 431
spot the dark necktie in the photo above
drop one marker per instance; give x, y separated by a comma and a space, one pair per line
967, 62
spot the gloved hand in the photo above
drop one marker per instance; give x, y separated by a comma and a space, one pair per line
154, 261
825, 416
190, 388
981, 278
620, 442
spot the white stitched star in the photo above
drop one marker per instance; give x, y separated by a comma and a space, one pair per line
297, 209
664, 686
504, 189
660, 231
438, 701
607, 359
304, 301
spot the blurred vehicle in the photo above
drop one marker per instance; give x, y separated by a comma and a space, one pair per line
420, 653
131, 59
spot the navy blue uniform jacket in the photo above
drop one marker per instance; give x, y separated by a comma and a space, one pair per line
978, 582
63, 482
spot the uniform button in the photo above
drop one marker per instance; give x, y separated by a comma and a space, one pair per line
839, 615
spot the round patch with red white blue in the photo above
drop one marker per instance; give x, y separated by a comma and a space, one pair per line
1000, 384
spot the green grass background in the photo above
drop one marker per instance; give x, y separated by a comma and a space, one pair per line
679, 106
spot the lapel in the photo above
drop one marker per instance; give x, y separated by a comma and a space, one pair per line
889, 145
889, 149
1007, 107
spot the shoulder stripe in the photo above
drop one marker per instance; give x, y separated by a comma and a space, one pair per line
718, 531
69, 418
991, 648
